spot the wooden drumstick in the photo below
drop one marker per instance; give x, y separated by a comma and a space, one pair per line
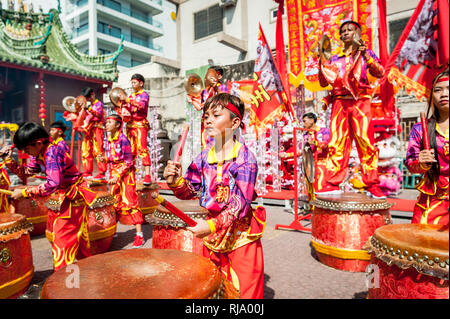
426, 139
161, 200
179, 152
103, 181
5, 191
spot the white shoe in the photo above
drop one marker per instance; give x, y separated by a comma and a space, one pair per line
335, 192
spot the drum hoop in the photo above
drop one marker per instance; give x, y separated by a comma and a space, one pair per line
405, 258
169, 219
15, 230
55, 205
351, 206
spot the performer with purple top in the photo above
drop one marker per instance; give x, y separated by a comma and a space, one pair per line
92, 144
70, 222
433, 201
223, 177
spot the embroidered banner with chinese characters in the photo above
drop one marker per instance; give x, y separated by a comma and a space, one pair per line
308, 20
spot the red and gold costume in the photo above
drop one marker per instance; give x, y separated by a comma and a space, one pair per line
4, 184
226, 189
119, 155
350, 116
138, 126
321, 137
92, 144
69, 224
432, 203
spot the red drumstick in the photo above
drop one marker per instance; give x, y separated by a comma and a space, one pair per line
184, 134
426, 139
173, 209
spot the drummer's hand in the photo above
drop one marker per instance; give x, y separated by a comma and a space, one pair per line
17, 194
5, 152
426, 157
172, 172
113, 180
201, 229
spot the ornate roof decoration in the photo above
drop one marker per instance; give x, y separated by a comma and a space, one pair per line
38, 40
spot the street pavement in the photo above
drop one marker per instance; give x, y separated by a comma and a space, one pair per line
292, 270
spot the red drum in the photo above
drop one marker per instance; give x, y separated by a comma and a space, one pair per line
145, 202
101, 221
341, 225
16, 259
409, 261
34, 210
142, 274
169, 231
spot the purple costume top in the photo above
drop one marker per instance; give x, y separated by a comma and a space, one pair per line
440, 185
118, 153
226, 189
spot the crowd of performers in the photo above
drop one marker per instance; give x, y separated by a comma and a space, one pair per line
223, 175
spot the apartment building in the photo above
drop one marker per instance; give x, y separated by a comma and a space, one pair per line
99, 26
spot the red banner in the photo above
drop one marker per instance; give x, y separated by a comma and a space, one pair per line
308, 20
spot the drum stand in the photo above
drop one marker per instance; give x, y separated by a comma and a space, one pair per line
296, 224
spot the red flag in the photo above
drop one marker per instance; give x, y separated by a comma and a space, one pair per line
443, 33
414, 61
280, 61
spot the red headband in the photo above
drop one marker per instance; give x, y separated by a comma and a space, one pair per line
233, 109
115, 118
443, 79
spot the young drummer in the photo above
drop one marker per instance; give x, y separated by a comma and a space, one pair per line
123, 181
138, 126
57, 135
70, 222
432, 203
223, 175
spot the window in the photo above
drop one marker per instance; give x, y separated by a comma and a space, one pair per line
273, 14
208, 21
103, 51
109, 29
396, 28
115, 5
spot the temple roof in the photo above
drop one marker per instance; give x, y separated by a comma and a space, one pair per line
38, 40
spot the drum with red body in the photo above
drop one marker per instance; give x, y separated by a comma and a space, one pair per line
142, 274
169, 231
101, 221
409, 261
34, 210
16, 259
341, 225
146, 203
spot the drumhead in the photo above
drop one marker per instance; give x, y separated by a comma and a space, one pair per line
139, 274
424, 247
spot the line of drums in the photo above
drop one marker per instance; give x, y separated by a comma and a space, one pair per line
353, 232
176, 256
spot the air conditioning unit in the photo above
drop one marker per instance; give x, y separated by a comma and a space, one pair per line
227, 3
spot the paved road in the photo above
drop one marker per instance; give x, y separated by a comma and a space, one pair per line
291, 268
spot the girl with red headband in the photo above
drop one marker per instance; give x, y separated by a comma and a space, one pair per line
123, 175
432, 203
223, 177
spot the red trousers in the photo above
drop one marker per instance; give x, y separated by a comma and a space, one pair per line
430, 210
350, 120
124, 191
244, 267
137, 134
68, 231
92, 146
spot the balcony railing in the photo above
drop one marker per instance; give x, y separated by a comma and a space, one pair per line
141, 42
132, 13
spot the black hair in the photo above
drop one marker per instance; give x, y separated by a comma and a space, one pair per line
138, 77
116, 117
60, 125
434, 172
87, 91
222, 99
28, 133
310, 115
218, 69
347, 22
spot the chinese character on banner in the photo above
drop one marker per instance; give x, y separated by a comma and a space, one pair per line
308, 21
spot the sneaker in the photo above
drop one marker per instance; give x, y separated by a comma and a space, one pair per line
99, 176
332, 192
85, 174
138, 242
375, 192
147, 180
